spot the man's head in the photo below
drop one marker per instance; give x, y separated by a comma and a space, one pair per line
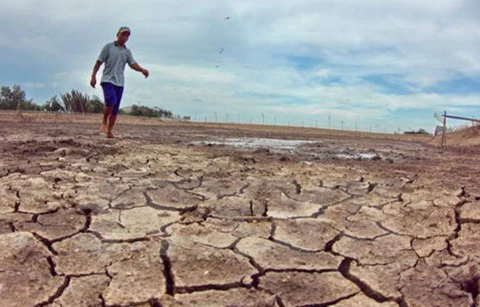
123, 34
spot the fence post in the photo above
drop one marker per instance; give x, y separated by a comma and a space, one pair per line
444, 135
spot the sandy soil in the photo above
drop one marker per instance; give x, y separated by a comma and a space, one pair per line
188, 214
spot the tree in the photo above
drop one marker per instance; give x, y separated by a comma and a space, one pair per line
163, 113
53, 105
137, 110
15, 99
94, 105
143, 111
422, 131
74, 102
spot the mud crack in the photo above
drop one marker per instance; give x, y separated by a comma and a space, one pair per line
57, 294
167, 270
344, 269
52, 265
200, 288
101, 238
155, 206
298, 187
457, 230
45, 242
329, 245
473, 287
326, 304
261, 271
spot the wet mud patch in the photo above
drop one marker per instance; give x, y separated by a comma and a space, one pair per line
296, 149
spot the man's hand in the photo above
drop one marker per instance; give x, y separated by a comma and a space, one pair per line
96, 67
93, 81
139, 68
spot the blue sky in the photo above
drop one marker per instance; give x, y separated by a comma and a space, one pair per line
384, 64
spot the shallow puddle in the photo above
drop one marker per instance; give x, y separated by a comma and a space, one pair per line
301, 147
277, 144
359, 156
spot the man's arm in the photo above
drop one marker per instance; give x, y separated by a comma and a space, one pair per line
96, 67
137, 67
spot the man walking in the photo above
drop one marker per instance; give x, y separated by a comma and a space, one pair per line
115, 55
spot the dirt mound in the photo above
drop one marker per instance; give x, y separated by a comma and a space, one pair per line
466, 137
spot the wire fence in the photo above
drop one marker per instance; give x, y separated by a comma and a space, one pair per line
443, 117
325, 123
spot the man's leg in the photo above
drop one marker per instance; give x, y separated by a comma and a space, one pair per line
115, 109
107, 112
110, 100
111, 123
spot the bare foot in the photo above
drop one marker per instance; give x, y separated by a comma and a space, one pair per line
110, 135
103, 129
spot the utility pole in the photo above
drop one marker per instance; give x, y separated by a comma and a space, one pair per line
216, 117
316, 123
238, 118
275, 120
263, 119
342, 123
328, 121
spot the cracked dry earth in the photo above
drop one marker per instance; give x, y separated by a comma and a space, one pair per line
151, 220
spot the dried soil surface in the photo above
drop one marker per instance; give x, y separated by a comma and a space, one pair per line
188, 214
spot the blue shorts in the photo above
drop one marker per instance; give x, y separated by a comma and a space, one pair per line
113, 96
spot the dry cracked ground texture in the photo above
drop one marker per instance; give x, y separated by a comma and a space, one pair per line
89, 222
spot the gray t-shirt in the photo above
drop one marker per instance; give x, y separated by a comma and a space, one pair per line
115, 59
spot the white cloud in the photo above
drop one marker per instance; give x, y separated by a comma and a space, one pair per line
34, 85
190, 74
322, 73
